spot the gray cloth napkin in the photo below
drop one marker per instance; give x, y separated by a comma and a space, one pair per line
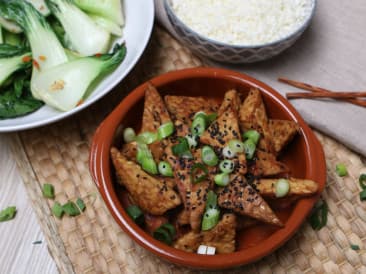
330, 54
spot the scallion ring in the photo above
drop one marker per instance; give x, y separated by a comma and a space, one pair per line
222, 179
192, 140
212, 213
165, 169
199, 172
182, 148
226, 166
228, 153
236, 146
282, 187
209, 156
252, 135
149, 165
249, 149
362, 180
165, 233
165, 130
198, 125
147, 137
211, 117
136, 214
129, 135
143, 152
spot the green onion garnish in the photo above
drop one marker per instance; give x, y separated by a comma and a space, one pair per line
149, 165
165, 169
319, 217
212, 213
37, 242
363, 195
48, 191
209, 156
8, 213
355, 247
362, 181
222, 179
57, 210
136, 214
252, 135
211, 117
199, 172
199, 124
71, 209
227, 166
341, 170
236, 146
249, 149
145, 159
182, 148
165, 233
129, 135
165, 130
80, 203
228, 153
192, 141
147, 137
282, 187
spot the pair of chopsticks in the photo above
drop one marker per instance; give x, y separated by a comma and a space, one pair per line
317, 92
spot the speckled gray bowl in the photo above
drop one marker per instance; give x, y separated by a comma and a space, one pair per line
227, 53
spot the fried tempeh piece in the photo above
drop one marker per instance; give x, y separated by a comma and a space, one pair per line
197, 201
231, 100
155, 113
129, 151
189, 242
283, 131
222, 236
298, 187
241, 197
267, 165
150, 194
184, 107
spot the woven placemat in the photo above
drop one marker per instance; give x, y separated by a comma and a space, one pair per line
94, 243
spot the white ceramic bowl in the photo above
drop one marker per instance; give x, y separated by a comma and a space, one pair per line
139, 21
227, 53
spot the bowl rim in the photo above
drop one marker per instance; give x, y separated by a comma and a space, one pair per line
298, 30
100, 165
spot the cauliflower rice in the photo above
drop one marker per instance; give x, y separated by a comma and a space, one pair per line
243, 22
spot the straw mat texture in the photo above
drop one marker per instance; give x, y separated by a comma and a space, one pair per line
93, 243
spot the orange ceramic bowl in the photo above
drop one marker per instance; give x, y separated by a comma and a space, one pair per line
304, 156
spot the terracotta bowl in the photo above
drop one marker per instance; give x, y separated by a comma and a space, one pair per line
304, 156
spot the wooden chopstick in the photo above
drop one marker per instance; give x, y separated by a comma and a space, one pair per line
332, 95
317, 90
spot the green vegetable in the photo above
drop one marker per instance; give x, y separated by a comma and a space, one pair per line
319, 217
165, 233
165, 169
37, 242
226, 166
85, 35
192, 141
48, 191
107, 24
252, 135
222, 179
136, 214
341, 170
129, 135
249, 149
1, 35
111, 9
41, 6
228, 153
236, 146
165, 130
10, 25
199, 172
209, 156
363, 195
145, 159
14, 39
212, 212
80, 203
57, 210
71, 209
182, 148
8, 213
199, 124
147, 137
282, 187
149, 165
362, 181
211, 117
355, 247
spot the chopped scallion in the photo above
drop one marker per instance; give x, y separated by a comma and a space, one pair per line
355, 247
252, 135
8, 213
211, 117
199, 172
222, 179
236, 146
80, 203
249, 149
209, 156
149, 165
182, 148
227, 166
165, 169
282, 187
147, 137
362, 181
57, 210
129, 135
319, 217
363, 195
165, 233
165, 130
192, 141
228, 153
341, 170
198, 125
71, 209
212, 212
136, 214
48, 191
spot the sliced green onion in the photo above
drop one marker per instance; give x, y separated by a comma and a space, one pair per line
165, 130
222, 179
165, 169
362, 181
192, 141
210, 219
211, 201
80, 203
319, 217
57, 210
149, 165
165, 233
282, 187
363, 195
355, 247
199, 172
8, 213
252, 135
136, 214
249, 149
199, 113
226, 166
341, 170
37, 242
228, 153
199, 125
211, 117
143, 152
236, 146
147, 137
48, 191
129, 135
71, 209
209, 156
182, 148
